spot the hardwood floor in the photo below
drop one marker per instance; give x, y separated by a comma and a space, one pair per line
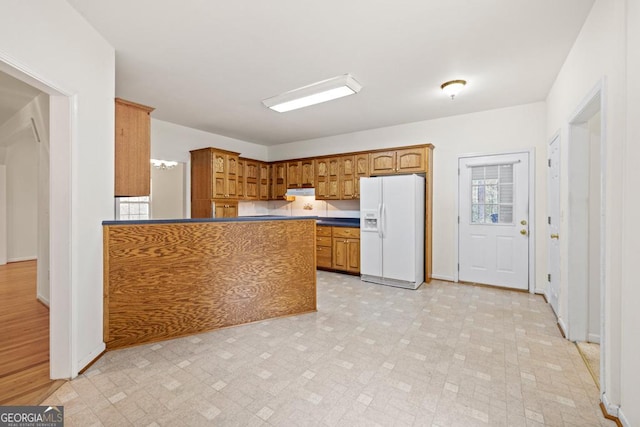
24, 338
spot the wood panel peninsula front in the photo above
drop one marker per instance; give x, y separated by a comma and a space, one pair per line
169, 278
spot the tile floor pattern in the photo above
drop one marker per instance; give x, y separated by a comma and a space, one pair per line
444, 355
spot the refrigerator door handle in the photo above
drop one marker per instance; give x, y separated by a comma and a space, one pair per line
380, 220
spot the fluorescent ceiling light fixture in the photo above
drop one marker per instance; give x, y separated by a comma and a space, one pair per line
453, 87
315, 93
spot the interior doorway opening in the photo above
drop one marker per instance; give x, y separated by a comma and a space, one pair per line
585, 231
57, 215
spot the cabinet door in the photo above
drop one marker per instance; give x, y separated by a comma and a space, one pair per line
322, 178
132, 149
279, 185
361, 170
225, 209
252, 171
339, 254
241, 179
231, 178
382, 163
219, 176
412, 160
327, 178
264, 181
353, 255
347, 177
294, 174
306, 173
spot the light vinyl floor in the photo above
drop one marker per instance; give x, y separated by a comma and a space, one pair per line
444, 355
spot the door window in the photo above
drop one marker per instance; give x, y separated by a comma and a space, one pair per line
492, 194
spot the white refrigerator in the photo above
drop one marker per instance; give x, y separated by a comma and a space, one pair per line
392, 230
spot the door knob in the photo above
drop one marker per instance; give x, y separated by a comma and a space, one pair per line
555, 236
523, 232
523, 222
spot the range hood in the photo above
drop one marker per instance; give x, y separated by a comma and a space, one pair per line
301, 192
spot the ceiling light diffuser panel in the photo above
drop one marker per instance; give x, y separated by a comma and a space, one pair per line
316, 93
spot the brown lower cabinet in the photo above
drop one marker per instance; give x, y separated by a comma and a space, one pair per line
338, 248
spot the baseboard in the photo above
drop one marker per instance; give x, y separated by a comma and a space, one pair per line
91, 357
442, 277
563, 327
611, 412
24, 258
43, 300
625, 422
594, 338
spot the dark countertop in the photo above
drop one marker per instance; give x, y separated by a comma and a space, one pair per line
339, 222
195, 220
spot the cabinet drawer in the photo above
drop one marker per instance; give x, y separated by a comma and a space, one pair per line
323, 256
323, 241
347, 232
323, 230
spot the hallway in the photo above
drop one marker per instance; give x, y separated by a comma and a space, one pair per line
24, 338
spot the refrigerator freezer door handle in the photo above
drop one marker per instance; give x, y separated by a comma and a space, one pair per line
380, 220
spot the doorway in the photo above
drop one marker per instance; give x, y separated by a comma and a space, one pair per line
62, 121
494, 211
585, 231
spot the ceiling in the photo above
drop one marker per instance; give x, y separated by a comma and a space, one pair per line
14, 95
208, 64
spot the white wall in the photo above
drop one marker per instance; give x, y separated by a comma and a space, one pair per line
173, 142
507, 129
22, 198
167, 192
49, 45
630, 368
599, 55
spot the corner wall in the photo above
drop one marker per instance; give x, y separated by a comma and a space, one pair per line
50, 46
599, 57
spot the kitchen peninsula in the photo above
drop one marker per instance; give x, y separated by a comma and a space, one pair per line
169, 278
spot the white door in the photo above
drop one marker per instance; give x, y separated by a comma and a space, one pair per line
371, 237
494, 220
553, 220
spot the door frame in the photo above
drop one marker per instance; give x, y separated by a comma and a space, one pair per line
532, 211
62, 141
576, 305
547, 290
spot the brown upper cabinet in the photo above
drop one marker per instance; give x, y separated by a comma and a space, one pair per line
300, 174
278, 180
251, 179
241, 185
352, 168
265, 173
225, 167
407, 160
132, 149
327, 180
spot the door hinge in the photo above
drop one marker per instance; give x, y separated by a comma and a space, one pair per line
458, 266
549, 162
458, 219
549, 277
549, 220
458, 171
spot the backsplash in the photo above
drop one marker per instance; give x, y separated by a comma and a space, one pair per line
302, 206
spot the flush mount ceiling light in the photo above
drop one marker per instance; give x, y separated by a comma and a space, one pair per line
453, 87
315, 93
